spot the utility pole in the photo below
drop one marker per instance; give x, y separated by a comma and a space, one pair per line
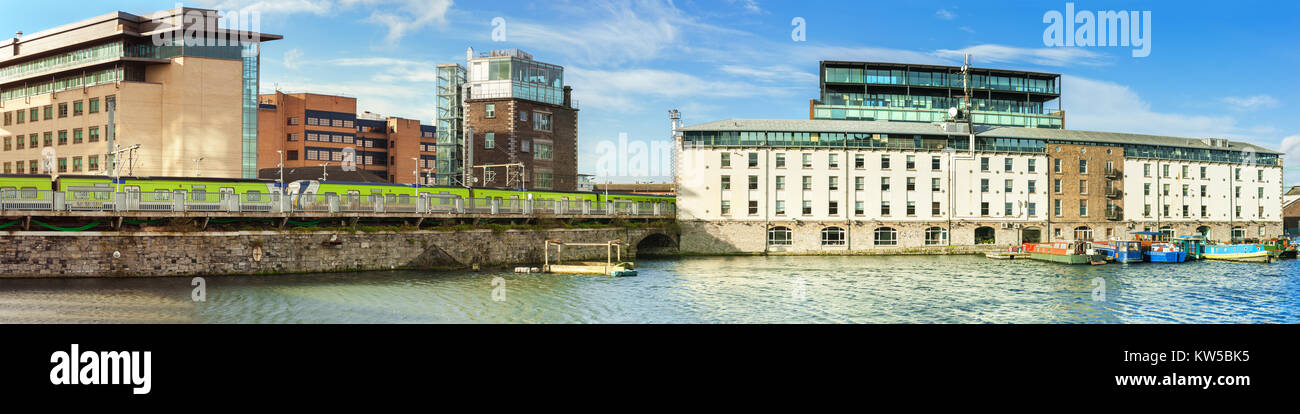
198, 169
323, 173
416, 173
281, 181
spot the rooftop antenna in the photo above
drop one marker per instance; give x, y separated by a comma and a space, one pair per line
675, 117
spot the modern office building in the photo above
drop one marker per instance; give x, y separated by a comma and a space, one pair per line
822, 186
190, 109
518, 124
312, 130
877, 91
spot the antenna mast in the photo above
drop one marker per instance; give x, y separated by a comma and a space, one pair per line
675, 117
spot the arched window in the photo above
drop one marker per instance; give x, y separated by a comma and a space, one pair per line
1031, 235
1083, 233
780, 236
985, 235
1168, 231
936, 236
833, 236
1204, 231
1238, 233
886, 236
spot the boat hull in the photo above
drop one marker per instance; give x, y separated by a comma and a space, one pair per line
1259, 257
1062, 258
1166, 257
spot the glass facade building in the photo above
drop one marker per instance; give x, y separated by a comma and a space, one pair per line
450, 124
513, 74
869, 91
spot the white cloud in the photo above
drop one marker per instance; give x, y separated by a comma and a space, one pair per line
292, 59
1106, 106
945, 14
1291, 158
413, 15
967, 29
625, 88
1249, 103
750, 5
399, 17
1056, 56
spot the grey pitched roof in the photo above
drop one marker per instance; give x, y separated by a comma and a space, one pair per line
1294, 191
886, 127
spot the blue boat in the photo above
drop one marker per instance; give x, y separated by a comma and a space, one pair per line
1246, 252
1165, 253
1121, 251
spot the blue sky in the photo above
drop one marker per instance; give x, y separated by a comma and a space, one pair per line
1215, 69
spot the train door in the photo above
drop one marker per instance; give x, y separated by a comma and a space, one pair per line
132, 197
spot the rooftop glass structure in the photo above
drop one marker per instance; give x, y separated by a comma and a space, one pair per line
873, 91
514, 74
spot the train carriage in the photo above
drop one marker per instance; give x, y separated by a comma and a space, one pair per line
25, 191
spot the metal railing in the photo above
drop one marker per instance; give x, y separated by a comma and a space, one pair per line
181, 201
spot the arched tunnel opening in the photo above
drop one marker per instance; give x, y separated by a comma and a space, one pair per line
656, 244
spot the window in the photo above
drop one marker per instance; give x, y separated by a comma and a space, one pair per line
833, 236
911, 208
1238, 212
753, 182
884, 162
1083, 208
984, 164
726, 207
859, 183
1082, 233
9, 118
543, 151
911, 162
1056, 207
523, 115
1083, 186
489, 140
1186, 210
984, 208
984, 185
49, 112
807, 183
780, 207
934, 184
884, 183
1007, 163
1056, 165
1236, 192
726, 182
1164, 171
833, 208
1236, 174
1032, 209
1056, 186
63, 166
76, 164
1033, 186
834, 160
834, 183
1185, 190
780, 160
94, 134
753, 208
490, 111
77, 108
936, 236
1146, 170
884, 208
726, 160
753, 159
934, 163
49, 139
859, 161
1164, 190
1259, 175
63, 137
886, 236
935, 210
35, 114
1008, 186
780, 182
1146, 189
807, 160
1184, 172
807, 208
780, 236
63, 110
1032, 165
1203, 175
1006, 211
1261, 192
1083, 166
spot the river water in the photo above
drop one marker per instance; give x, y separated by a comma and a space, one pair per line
902, 289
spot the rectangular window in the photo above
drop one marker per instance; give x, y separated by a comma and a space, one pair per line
726, 160
859, 183
859, 161
1164, 190
77, 108
911, 183
49, 112
807, 160
911, 208
1033, 186
834, 183
934, 184
780, 160
1146, 210
884, 208
1261, 192
63, 165
1146, 189
1185, 190
1204, 176
726, 182
884, 183
1006, 209
1186, 210
543, 151
63, 110
1083, 186
489, 140
834, 160
753, 208
780, 207
1083, 166
1007, 186
76, 164
753, 160
884, 162
753, 182
859, 208
807, 208
807, 183
1164, 171
935, 210
93, 103
780, 182
984, 185
984, 164
726, 208
94, 134
49, 139
1165, 210
1032, 166
1007, 163
934, 163
911, 162
490, 110
1259, 175
63, 137
541, 121
1033, 209
35, 114
1056, 165
833, 208
984, 208
1056, 207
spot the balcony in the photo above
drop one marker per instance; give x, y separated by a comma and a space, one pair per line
1114, 213
1114, 193
1113, 173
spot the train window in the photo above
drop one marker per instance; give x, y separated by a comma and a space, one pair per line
253, 196
8, 192
198, 195
405, 199
28, 192
132, 188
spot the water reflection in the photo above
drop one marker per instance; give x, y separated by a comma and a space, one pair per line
910, 289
